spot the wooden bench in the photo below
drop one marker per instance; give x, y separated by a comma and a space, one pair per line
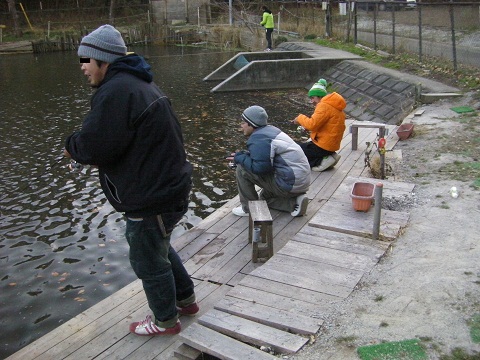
260, 230
354, 130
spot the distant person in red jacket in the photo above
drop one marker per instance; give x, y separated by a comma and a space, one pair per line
326, 127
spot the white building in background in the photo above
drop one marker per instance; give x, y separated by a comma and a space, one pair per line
171, 12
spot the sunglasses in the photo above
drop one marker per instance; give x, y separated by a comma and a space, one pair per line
84, 60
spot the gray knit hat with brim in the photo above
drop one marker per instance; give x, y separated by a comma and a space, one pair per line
104, 44
255, 115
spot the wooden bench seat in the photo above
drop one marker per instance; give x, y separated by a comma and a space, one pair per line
261, 219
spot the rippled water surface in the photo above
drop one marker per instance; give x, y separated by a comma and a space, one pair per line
62, 246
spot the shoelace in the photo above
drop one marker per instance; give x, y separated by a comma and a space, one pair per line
147, 321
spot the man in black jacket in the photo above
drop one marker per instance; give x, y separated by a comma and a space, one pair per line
132, 135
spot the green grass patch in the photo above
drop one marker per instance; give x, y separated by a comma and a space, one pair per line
462, 109
398, 350
474, 325
476, 184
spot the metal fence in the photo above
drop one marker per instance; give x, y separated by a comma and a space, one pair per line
450, 31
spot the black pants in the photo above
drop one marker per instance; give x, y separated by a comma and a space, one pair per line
314, 153
268, 35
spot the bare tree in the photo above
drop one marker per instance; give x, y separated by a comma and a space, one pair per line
241, 13
111, 16
13, 11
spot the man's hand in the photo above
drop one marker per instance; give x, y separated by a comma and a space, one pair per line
230, 157
66, 154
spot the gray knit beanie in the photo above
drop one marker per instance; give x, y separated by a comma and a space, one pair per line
255, 115
104, 44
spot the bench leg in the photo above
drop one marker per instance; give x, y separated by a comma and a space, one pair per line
354, 130
250, 229
263, 251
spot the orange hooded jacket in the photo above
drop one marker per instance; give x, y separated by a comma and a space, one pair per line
327, 123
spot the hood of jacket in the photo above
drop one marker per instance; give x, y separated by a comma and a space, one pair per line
132, 64
335, 100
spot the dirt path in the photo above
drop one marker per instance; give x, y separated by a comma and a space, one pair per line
428, 286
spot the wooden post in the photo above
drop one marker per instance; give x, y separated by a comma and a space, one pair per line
377, 211
1, 33
381, 134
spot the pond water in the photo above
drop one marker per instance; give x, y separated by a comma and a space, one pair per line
62, 246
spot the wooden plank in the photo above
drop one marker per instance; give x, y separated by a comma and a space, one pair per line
252, 332
99, 341
86, 325
391, 189
211, 250
277, 301
214, 268
329, 256
279, 319
186, 352
340, 241
238, 277
216, 221
341, 217
259, 211
137, 347
169, 353
321, 272
196, 245
186, 238
289, 291
225, 273
315, 284
221, 346
236, 238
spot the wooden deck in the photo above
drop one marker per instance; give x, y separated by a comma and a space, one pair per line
278, 304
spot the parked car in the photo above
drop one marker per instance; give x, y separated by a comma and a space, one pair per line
411, 4
385, 5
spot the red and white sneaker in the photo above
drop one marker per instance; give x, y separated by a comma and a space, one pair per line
147, 327
188, 310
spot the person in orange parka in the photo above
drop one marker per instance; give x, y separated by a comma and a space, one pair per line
326, 127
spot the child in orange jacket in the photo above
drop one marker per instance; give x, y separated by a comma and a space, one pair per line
326, 127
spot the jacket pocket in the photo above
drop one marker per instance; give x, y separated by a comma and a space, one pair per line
112, 189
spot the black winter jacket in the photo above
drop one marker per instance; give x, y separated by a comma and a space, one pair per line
132, 134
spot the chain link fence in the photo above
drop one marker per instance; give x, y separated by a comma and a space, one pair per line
439, 29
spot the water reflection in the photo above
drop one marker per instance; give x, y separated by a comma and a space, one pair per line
62, 245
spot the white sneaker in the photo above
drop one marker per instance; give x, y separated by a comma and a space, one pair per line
301, 204
327, 162
337, 158
239, 211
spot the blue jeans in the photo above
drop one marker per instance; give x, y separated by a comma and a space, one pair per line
164, 278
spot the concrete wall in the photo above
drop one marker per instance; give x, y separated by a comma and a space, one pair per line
275, 74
